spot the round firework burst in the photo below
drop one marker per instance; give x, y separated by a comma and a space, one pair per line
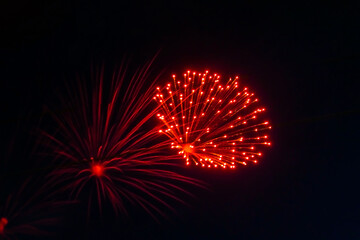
212, 124
105, 145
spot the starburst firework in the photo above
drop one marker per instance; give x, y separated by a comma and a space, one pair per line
212, 124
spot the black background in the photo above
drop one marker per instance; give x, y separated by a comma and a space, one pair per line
301, 59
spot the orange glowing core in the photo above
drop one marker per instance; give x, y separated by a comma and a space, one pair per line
97, 170
3, 222
188, 148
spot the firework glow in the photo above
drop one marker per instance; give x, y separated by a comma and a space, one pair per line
212, 123
3, 223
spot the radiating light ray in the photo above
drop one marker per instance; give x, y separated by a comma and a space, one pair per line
210, 123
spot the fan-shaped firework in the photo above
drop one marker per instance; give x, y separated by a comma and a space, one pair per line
212, 123
105, 142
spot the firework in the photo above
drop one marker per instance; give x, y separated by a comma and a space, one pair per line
28, 211
210, 123
105, 145
28, 207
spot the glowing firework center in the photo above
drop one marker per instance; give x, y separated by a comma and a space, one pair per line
187, 148
97, 170
212, 125
3, 223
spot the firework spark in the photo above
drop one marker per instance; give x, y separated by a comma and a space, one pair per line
105, 143
212, 124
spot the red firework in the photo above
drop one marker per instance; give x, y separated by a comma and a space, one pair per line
28, 208
105, 142
212, 123
28, 212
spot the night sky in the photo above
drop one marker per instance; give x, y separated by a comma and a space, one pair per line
301, 59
